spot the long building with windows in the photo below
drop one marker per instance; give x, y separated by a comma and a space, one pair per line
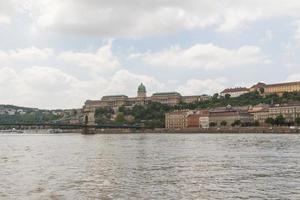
264, 89
116, 101
167, 98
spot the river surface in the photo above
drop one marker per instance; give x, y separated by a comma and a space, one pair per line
150, 166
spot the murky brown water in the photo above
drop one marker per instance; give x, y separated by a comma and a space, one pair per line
150, 166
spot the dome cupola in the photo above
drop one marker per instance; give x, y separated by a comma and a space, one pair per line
141, 91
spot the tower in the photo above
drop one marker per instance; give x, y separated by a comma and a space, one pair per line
141, 93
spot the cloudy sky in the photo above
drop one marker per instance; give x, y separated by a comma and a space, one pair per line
57, 54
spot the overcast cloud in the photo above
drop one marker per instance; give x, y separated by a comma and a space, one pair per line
57, 54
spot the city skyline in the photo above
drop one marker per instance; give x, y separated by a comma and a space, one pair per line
53, 55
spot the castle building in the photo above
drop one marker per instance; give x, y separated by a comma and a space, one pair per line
281, 88
166, 98
234, 92
278, 88
116, 101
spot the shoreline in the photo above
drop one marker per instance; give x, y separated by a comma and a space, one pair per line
241, 130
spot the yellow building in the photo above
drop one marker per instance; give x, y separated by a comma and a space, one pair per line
281, 88
176, 119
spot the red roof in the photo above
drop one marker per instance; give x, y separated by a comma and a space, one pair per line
238, 89
259, 85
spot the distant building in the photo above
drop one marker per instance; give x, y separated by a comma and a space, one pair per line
196, 119
202, 118
257, 87
281, 88
230, 115
167, 98
260, 113
196, 98
176, 119
234, 92
116, 101
289, 112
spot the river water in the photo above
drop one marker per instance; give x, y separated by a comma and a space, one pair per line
150, 166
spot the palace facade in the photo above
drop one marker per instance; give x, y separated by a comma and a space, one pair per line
116, 101
166, 98
264, 89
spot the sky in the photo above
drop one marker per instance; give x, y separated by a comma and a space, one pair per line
57, 54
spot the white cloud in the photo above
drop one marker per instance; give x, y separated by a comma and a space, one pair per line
49, 87
293, 77
269, 35
297, 32
203, 56
125, 82
102, 61
6, 11
205, 86
27, 54
134, 18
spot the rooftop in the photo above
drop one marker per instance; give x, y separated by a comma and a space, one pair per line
237, 89
167, 94
115, 96
283, 84
141, 88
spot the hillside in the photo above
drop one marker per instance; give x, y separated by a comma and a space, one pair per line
17, 114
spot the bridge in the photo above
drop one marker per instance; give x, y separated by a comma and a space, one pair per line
86, 129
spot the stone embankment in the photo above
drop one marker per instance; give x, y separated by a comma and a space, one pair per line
240, 130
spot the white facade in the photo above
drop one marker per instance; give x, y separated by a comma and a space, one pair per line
235, 93
204, 122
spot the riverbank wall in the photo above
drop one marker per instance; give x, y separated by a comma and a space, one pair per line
239, 130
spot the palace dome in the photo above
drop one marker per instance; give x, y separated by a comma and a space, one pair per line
141, 88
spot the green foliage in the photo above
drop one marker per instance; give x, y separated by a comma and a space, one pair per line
212, 124
270, 121
262, 90
280, 120
120, 119
256, 123
223, 123
103, 115
33, 117
297, 121
227, 96
236, 123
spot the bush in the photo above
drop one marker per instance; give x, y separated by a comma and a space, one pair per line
223, 123
212, 124
236, 123
280, 120
270, 121
297, 121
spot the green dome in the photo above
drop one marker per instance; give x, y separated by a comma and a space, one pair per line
142, 88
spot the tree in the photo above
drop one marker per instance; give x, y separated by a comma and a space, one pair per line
212, 124
236, 123
256, 123
270, 121
297, 121
223, 123
280, 120
262, 90
227, 96
215, 96
120, 118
